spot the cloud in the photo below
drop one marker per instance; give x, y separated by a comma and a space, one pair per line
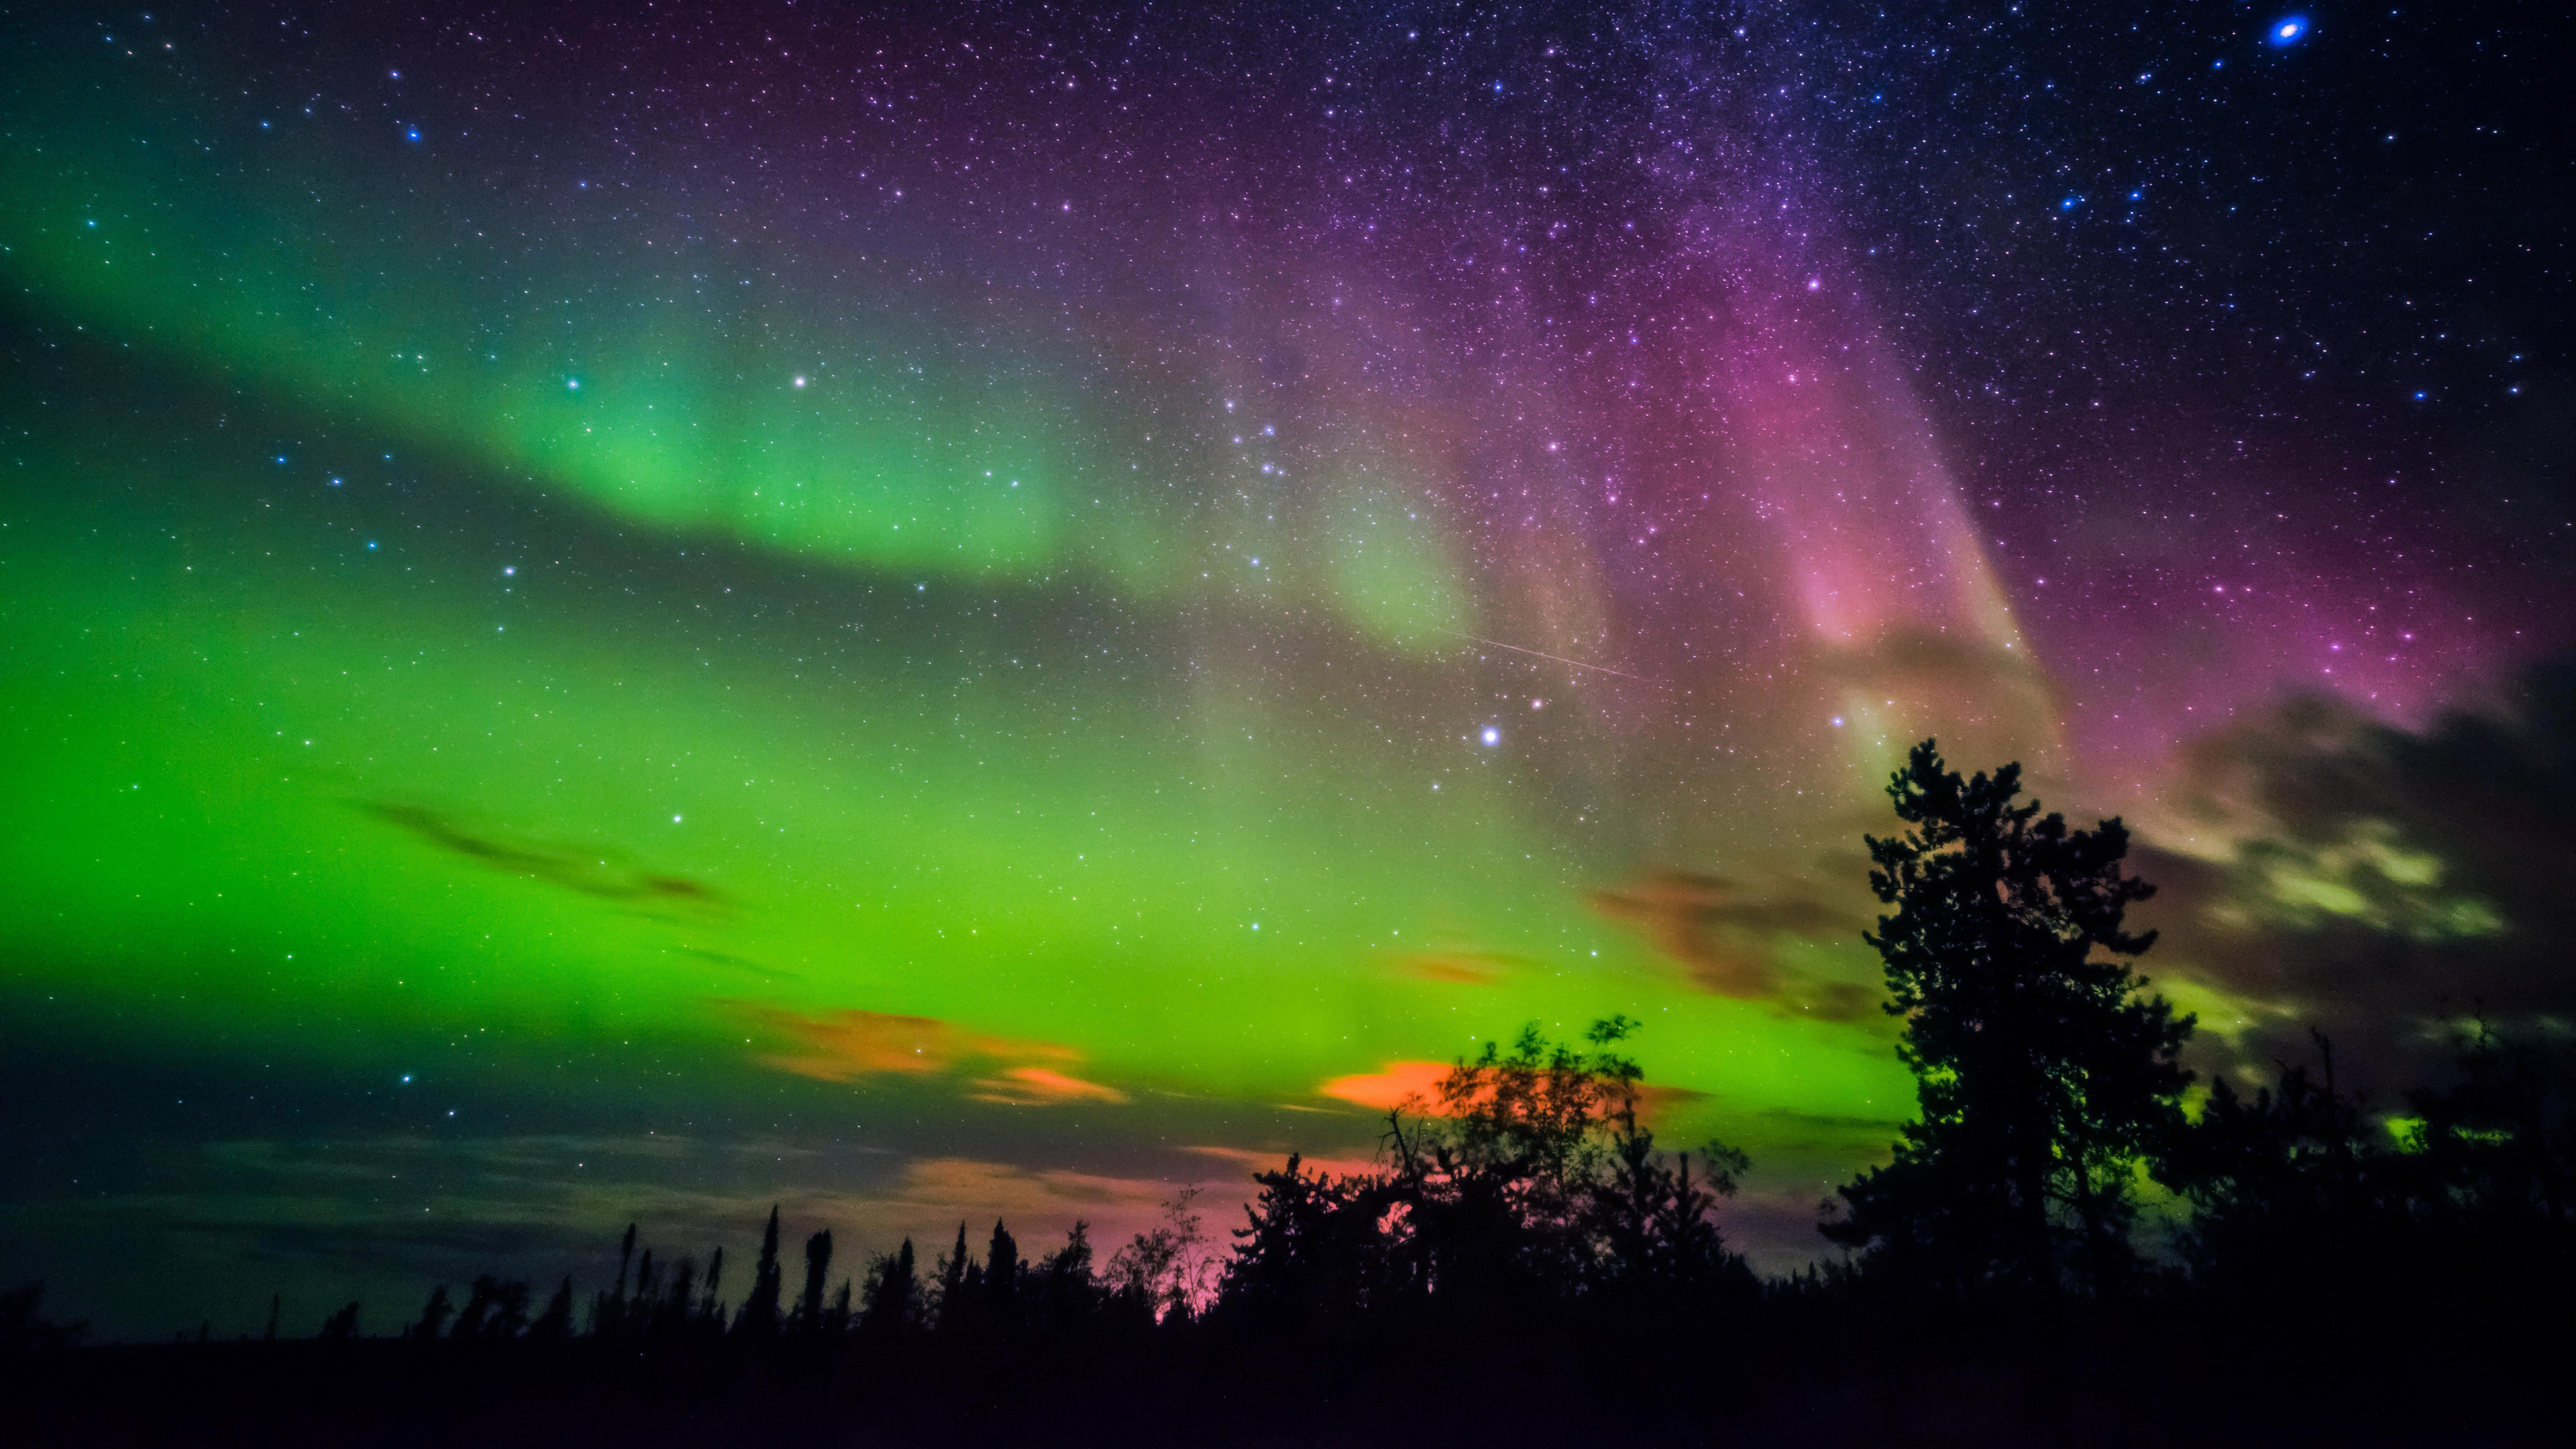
2330, 869
845, 1046
738, 963
968, 1185
1686, 916
599, 873
1393, 1086
1734, 941
1041, 1204
1461, 967
1042, 1087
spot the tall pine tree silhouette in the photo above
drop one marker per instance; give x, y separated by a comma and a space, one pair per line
818, 1264
952, 1306
759, 1315
2042, 1077
1002, 1270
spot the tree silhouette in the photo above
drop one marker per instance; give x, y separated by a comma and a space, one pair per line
1529, 1185
892, 1293
1307, 1257
1067, 1293
1165, 1268
495, 1309
1652, 1223
434, 1314
1003, 1271
2041, 1077
2285, 1186
2502, 1140
608, 1307
711, 1315
759, 1316
625, 1259
341, 1326
555, 1324
24, 1328
2460, 1205
818, 1266
950, 1309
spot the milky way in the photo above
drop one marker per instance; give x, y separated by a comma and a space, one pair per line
999, 611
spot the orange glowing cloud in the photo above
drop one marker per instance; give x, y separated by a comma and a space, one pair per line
848, 1045
845, 1046
1384, 1091
1041, 1087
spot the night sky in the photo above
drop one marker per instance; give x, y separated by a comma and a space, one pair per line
929, 613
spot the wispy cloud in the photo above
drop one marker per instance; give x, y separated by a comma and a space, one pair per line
1041, 1087
1740, 941
596, 872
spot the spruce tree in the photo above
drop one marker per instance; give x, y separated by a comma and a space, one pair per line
2042, 1075
818, 1265
760, 1309
711, 1308
1002, 1278
952, 1308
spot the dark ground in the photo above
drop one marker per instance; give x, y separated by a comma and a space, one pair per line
2239, 1385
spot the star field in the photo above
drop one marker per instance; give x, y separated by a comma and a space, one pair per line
1007, 606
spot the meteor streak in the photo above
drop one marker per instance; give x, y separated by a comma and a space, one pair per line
1559, 658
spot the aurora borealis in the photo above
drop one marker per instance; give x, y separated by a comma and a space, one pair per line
979, 611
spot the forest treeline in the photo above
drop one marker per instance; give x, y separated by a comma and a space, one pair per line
1524, 1224
1529, 1182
